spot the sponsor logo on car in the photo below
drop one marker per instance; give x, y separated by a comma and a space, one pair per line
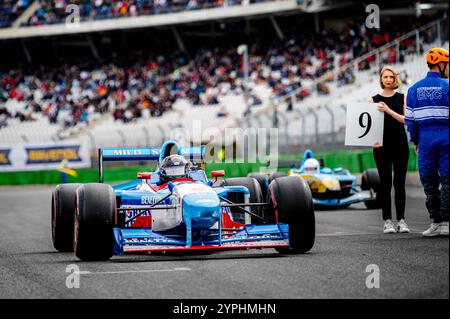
132, 213
126, 152
149, 200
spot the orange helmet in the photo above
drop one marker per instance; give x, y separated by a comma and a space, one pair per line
436, 55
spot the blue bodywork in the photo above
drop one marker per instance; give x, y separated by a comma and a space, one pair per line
206, 222
341, 186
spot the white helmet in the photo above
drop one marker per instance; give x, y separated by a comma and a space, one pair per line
311, 165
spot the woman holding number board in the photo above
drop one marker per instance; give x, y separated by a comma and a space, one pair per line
394, 153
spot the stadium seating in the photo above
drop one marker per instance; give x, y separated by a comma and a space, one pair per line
365, 86
158, 93
37, 131
10, 10
54, 11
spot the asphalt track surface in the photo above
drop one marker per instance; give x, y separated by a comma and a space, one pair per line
347, 242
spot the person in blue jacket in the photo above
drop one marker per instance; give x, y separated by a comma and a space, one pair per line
427, 120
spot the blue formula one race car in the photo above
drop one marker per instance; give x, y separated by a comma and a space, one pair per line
176, 208
331, 188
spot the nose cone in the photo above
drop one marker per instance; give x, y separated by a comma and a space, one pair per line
331, 184
203, 208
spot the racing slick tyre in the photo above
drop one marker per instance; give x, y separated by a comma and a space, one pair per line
276, 175
63, 207
292, 199
263, 181
373, 203
255, 193
370, 180
95, 207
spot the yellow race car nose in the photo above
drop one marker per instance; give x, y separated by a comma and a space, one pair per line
332, 185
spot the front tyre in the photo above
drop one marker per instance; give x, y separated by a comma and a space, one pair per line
292, 201
95, 210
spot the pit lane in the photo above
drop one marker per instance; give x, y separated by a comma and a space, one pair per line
347, 242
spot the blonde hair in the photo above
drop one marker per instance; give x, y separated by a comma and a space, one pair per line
397, 81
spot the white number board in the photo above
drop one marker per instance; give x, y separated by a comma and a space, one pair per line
364, 125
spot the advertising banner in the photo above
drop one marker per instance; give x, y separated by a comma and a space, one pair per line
48, 156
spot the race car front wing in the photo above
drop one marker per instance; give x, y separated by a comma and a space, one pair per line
357, 197
145, 240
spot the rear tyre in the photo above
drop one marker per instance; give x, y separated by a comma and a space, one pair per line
275, 176
62, 214
292, 200
255, 193
370, 180
95, 210
263, 181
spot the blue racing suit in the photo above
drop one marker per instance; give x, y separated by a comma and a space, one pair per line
427, 120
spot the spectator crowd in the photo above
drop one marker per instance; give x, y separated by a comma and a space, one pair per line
143, 84
54, 11
10, 10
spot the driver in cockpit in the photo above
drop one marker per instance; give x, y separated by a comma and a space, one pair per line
173, 167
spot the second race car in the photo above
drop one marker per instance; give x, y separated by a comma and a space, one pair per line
331, 187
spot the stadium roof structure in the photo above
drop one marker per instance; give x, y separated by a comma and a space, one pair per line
269, 8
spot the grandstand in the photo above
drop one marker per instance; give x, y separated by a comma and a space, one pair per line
320, 120
11, 10
135, 75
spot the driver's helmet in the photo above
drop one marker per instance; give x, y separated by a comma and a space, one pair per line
173, 167
311, 166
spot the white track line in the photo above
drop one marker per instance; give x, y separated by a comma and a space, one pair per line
337, 234
133, 271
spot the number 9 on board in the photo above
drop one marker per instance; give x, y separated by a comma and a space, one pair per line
364, 125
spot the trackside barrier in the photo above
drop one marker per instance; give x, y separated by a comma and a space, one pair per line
356, 161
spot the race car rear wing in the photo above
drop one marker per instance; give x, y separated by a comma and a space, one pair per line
297, 163
292, 163
192, 153
286, 164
